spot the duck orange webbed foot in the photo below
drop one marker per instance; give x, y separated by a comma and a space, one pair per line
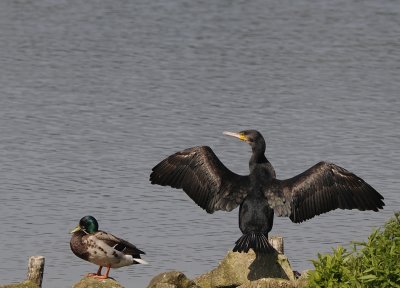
98, 273
101, 277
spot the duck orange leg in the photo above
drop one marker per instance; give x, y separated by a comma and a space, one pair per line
105, 276
95, 274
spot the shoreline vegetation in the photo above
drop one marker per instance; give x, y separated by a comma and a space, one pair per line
373, 263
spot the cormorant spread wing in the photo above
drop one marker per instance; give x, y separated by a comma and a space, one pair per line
322, 188
200, 173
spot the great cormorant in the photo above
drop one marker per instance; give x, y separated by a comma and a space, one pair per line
322, 188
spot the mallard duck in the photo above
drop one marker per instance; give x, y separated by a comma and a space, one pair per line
102, 248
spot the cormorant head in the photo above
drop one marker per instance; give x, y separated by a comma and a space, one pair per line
87, 224
251, 137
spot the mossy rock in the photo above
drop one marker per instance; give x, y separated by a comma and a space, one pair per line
25, 284
172, 279
274, 283
243, 268
89, 282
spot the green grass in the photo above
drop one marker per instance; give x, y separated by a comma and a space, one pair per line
374, 263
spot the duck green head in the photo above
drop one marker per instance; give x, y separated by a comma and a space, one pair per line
87, 224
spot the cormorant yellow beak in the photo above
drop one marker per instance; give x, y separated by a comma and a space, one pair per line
236, 135
76, 229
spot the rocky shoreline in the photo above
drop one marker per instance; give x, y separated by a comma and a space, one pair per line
244, 270
241, 270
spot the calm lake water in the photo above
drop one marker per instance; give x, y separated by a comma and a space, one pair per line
93, 94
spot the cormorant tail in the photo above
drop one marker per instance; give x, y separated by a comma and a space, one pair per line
257, 241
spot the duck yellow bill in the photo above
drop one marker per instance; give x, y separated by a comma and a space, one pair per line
236, 135
76, 229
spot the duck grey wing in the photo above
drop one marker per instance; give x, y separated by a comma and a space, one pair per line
203, 177
118, 243
322, 188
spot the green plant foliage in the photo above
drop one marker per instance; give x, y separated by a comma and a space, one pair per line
374, 263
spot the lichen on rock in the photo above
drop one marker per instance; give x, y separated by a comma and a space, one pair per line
242, 268
172, 279
88, 282
25, 284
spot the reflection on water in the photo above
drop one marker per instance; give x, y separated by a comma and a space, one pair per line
93, 95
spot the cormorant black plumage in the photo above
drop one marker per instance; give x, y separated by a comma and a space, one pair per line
322, 188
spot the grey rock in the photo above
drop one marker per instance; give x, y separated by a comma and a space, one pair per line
88, 282
173, 279
237, 269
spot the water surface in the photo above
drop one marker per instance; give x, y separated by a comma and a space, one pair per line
93, 95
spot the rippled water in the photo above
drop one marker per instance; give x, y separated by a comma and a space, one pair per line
94, 94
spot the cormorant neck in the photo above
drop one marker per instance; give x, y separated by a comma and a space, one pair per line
261, 167
258, 156
258, 153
